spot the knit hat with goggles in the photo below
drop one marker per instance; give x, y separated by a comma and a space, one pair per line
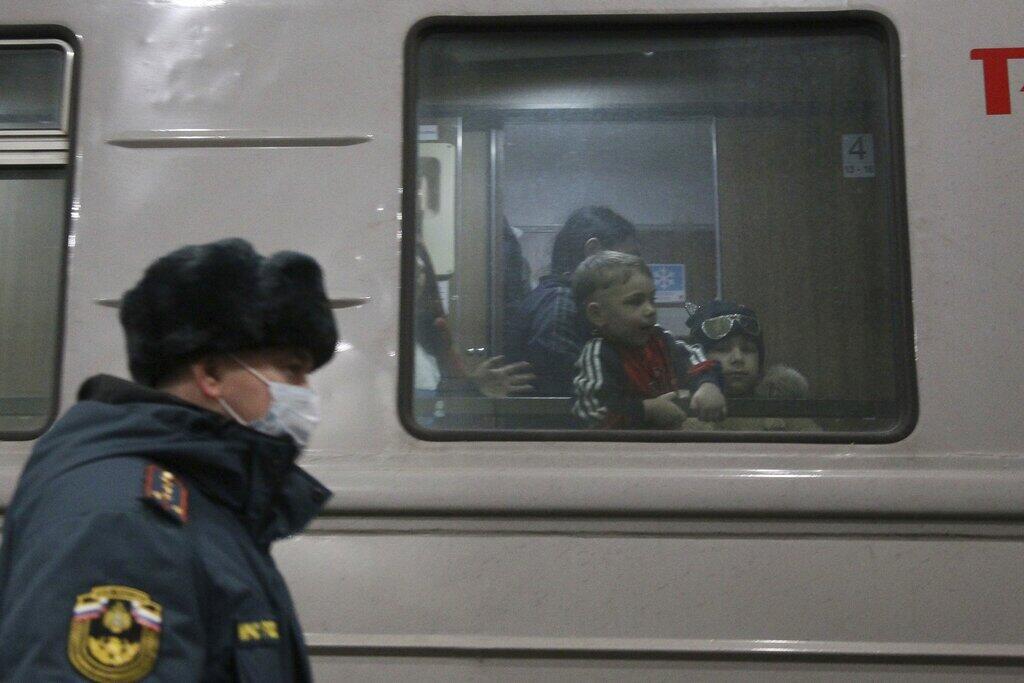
718, 320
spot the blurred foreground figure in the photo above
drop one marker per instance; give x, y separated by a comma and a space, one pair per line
138, 541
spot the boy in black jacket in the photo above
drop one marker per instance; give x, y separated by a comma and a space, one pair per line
630, 374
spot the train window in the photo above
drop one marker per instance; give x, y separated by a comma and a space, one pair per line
32, 80
35, 80
735, 180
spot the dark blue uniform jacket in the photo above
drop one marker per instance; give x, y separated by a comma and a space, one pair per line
81, 519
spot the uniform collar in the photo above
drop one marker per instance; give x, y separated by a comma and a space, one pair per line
253, 474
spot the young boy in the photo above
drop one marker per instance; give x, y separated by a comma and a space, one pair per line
630, 373
732, 335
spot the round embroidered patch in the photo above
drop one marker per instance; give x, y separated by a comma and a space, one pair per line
115, 634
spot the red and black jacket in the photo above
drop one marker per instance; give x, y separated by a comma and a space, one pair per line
612, 380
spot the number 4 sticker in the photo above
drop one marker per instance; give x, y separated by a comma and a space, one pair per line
859, 155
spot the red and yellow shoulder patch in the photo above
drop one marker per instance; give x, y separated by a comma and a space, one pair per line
163, 490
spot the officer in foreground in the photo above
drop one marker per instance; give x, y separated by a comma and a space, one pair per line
138, 540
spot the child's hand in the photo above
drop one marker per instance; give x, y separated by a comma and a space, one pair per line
708, 403
662, 412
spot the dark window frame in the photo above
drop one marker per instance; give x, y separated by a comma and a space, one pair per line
904, 368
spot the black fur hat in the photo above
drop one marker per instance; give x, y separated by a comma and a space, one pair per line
222, 297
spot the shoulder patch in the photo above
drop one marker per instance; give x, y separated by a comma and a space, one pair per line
163, 490
114, 634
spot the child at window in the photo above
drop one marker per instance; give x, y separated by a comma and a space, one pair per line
629, 374
732, 335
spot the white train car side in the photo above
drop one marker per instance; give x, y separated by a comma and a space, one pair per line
873, 204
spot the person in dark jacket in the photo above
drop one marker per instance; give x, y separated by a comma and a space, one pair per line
547, 329
137, 544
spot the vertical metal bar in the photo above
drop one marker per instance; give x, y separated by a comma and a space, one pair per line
718, 226
455, 285
496, 264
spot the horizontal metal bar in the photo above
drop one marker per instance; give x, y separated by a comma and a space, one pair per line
990, 654
184, 138
943, 486
331, 524
29, 133
738, 407
33, 158
546, 228
333, 302
33, 144
500, 113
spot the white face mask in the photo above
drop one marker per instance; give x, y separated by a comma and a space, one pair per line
294, 411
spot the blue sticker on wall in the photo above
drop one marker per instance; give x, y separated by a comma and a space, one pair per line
669, 282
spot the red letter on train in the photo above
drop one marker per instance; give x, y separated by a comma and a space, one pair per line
995, 64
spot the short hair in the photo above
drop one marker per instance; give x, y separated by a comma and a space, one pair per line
602, 270
590, 221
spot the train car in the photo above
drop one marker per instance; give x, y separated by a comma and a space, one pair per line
850, 170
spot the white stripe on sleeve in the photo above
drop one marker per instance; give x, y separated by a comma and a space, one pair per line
588, 382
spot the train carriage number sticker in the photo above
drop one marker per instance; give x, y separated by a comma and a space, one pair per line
859, 156
115, 634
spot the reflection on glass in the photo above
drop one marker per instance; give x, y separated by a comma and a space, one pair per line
749, 166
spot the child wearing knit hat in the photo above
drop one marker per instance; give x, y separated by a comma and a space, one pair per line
732, 335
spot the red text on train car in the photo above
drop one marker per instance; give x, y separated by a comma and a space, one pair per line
996, 68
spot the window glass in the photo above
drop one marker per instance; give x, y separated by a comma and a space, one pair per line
32, 246
34, 184
748, 170
31, 88
31, 250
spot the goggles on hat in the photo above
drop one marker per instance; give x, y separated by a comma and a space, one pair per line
721, 325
